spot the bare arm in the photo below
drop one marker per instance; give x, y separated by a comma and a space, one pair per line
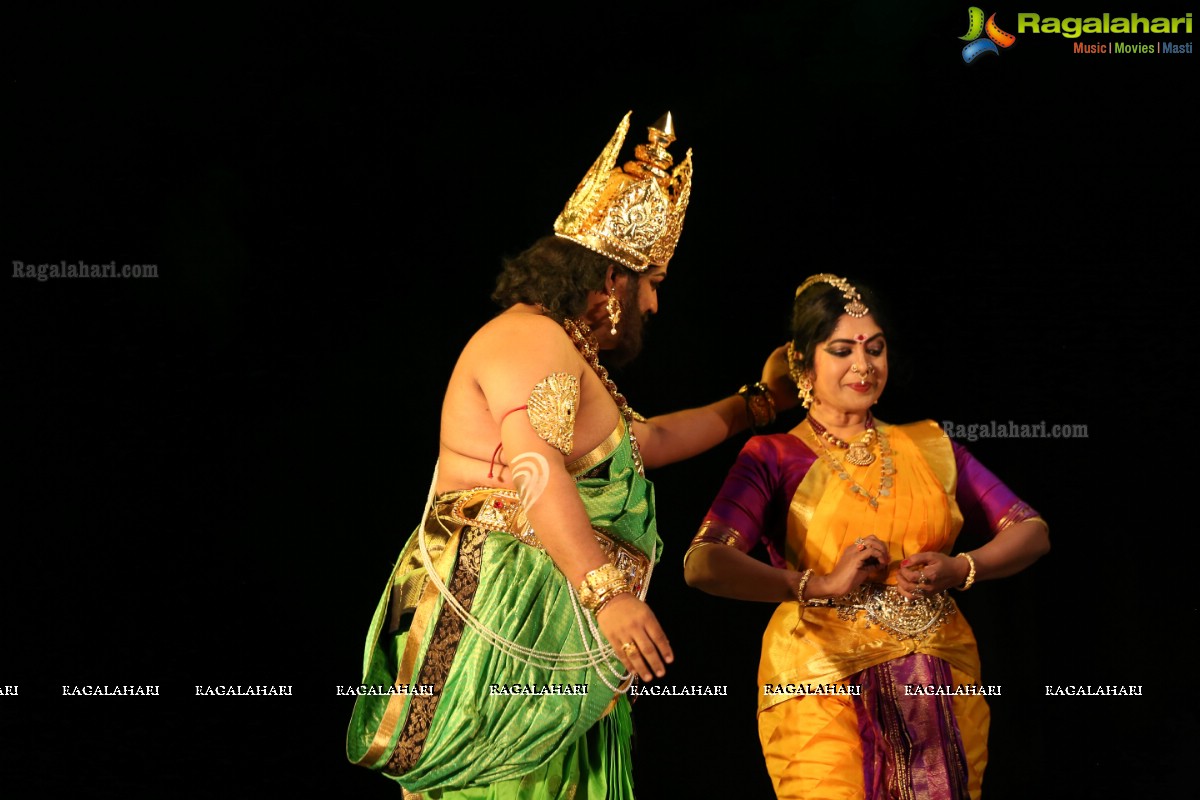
507, 367
673, 437
728, 572
668, 438
1010, 551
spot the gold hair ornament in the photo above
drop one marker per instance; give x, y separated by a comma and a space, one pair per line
854, 308
632, 214
804, 384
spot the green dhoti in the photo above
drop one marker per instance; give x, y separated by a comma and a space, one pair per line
501, 684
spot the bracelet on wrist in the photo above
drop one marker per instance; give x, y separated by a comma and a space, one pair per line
608, 599
970, 575
760, 405
601, 585
800, 587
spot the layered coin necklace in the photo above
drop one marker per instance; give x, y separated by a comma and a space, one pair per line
589, 348
859, 454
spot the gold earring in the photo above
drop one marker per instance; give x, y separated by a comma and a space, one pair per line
805, 394
613, 307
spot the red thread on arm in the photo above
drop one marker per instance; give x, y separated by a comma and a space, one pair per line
496, 452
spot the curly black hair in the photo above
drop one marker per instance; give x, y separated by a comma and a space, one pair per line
556, 274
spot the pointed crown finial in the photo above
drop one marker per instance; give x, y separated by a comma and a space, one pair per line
632, 214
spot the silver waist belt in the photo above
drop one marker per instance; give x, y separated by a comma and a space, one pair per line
885, 607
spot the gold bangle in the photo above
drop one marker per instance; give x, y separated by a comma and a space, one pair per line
601, 585
808, 573
970, 575
608, 598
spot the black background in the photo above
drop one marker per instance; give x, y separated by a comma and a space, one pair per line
214, 469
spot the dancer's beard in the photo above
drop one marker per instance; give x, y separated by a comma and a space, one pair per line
630, 332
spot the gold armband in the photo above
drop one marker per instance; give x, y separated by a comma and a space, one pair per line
600, 586
712, 532
552, 406
1019, 511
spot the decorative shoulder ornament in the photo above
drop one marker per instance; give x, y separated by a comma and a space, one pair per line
631, 214
854, 308
551, 409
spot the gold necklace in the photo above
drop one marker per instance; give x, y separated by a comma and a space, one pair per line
589, 348
859, 452
885, 475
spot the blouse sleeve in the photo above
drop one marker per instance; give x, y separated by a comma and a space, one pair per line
746, 508
984, 500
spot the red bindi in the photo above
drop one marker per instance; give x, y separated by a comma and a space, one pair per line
860, 337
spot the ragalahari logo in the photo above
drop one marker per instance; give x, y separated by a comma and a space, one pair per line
996, 38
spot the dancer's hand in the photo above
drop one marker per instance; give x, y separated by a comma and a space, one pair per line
776, 376
865, 559
635, 635
929, 573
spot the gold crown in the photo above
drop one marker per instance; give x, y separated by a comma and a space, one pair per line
632, 214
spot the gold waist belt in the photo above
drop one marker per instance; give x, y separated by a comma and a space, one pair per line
500, 510
891, 611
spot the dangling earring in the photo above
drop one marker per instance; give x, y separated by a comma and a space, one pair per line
613, 307
799, 376
805, 394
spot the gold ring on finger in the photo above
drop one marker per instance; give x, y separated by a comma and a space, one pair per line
629, 647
